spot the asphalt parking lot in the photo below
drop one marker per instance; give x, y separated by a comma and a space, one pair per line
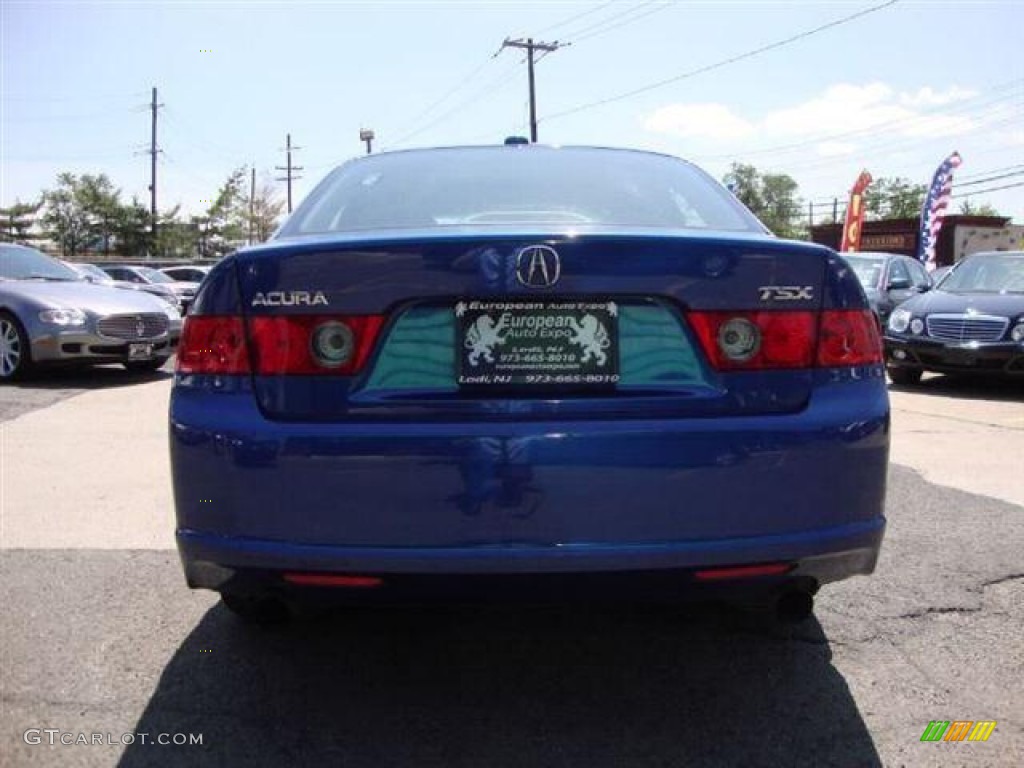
100, 635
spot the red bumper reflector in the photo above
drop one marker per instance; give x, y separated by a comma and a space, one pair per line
743, 571
332, 580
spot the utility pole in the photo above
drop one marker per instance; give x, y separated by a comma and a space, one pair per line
152, 169
530, 47
290, 169
252, 203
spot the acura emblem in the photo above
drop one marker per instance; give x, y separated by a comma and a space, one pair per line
140, 327
538, 266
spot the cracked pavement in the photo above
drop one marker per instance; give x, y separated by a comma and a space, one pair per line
110, 640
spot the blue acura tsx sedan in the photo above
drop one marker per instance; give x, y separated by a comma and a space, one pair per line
530, 367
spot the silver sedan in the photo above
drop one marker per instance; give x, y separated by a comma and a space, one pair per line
49, 316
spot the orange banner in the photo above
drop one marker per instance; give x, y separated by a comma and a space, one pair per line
855, 214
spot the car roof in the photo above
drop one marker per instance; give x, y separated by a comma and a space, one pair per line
498, 148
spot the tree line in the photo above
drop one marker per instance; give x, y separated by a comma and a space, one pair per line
774, 198
86, 214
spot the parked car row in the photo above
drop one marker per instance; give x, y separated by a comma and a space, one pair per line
972, 322
966, 318
51, 315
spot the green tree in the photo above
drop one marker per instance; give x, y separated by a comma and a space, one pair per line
16, 221
82, 213
772, 197
967, 208
266, 211
64, 220
225, 223
894, 198
101, 202
176, 237
132, 234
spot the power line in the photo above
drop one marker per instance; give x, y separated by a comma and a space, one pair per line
466, 80
989, 179
599, 29
493, 87
723, 62
991, 189
576, 17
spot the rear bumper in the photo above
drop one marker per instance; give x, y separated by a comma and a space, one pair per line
539, 497
245, 565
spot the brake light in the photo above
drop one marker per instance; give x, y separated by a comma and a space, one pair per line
312, 344
756, 340
849, 337
212, 344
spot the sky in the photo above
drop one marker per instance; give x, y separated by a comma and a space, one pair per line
789, 87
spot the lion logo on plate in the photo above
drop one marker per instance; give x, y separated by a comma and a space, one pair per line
482, 337
591, 335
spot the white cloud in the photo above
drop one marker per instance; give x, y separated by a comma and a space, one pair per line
695, 120
927, 97
841, 109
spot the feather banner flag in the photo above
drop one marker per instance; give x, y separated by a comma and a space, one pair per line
855, 214
935, 204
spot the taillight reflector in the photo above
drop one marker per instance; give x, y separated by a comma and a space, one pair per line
743, 571
332, 580
285, 344
849, 337
212, 344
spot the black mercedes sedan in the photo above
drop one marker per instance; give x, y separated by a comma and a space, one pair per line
973, 322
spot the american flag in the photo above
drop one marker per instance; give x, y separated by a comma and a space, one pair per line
934, 209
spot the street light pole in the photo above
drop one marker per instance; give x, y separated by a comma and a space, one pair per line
365, 134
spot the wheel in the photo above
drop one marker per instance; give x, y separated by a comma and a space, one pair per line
15, 351
145, 366
263, 610
905, 376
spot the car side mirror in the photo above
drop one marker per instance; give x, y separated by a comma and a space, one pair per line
898, 284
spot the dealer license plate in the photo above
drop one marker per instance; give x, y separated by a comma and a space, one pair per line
537, 344
140, 351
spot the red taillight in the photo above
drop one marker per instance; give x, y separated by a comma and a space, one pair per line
756, 340
332, 580
739, 341
743, 571
849, 337
212, 344
312, 344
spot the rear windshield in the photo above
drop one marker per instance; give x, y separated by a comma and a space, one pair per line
492, 187
867, 270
